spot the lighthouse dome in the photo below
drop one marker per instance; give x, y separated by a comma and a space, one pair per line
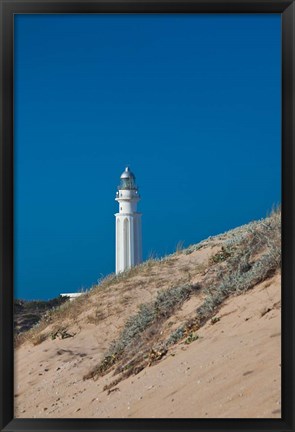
127, 174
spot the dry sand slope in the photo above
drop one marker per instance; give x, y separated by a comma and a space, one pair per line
231, 370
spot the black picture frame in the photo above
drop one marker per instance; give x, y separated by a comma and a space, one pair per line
8, 8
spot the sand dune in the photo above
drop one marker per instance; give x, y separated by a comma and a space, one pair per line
231, 369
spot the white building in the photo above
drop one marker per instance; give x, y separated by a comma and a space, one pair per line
71, 296
128, 224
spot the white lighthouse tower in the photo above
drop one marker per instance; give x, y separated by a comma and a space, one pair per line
128, 224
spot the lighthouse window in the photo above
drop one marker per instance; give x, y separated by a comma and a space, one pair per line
121, 208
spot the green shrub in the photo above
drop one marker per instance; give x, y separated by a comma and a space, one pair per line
149, 314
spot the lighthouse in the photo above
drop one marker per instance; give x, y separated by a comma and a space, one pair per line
128, 223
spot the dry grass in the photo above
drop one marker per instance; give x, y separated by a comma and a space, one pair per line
71, 312
179, 247
248, 255
252, 256
142, 327
245, 256
32, 335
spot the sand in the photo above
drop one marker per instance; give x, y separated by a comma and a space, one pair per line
232, 370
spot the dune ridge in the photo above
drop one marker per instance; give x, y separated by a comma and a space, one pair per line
195, 334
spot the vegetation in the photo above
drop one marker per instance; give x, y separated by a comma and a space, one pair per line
248, 256
236, 262
255, 255
149, 314
221, 255
29, 313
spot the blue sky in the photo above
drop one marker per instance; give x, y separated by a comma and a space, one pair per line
190, 102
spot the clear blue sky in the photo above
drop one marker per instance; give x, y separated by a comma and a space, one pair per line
191, 102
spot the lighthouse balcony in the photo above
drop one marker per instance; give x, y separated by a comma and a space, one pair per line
127, 194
